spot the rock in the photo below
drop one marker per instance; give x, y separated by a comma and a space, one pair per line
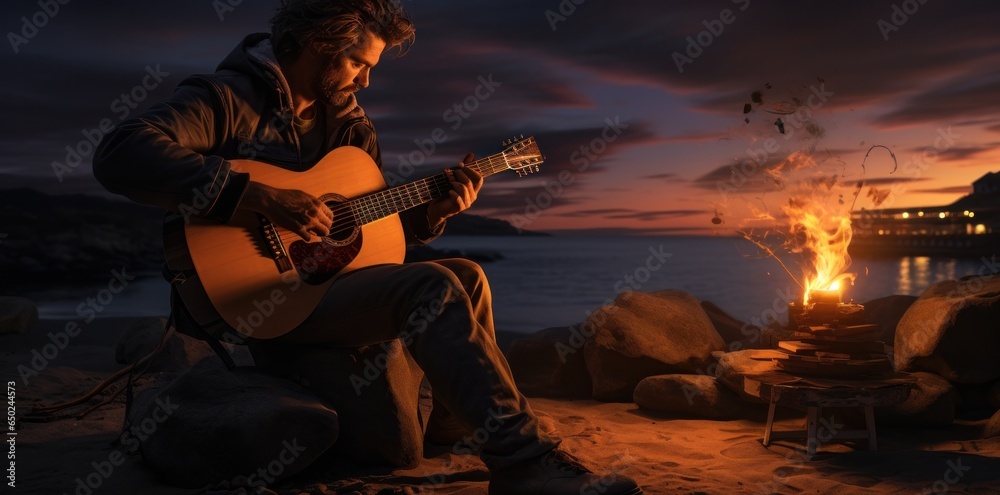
992, 428
951, 330
141, 337
932, 402
696, 396
207, 426
17, 315
734, 365
641, 335
886, 313
736, 334
374, 389
550, 363
179, 353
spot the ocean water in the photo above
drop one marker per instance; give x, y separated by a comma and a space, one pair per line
557, 281
543, 282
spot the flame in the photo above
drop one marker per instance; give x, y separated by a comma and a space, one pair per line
822, 234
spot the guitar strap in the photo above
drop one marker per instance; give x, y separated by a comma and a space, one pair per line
185, 324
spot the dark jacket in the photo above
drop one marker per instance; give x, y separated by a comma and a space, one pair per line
175, 154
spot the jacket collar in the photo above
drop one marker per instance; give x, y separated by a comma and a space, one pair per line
255, 56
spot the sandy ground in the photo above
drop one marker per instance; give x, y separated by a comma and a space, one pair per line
665, 455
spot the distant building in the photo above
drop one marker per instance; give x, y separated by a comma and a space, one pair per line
968, 227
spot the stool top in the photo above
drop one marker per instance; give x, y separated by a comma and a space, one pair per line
781, 387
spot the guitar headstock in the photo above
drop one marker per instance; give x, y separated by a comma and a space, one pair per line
522, 155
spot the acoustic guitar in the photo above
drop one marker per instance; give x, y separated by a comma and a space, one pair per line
262, 280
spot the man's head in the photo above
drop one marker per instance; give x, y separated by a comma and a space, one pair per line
345, 37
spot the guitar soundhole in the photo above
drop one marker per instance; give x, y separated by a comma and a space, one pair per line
317, 262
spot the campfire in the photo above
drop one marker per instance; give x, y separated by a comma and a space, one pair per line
829, 337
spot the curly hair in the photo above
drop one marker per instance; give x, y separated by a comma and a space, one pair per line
333, 26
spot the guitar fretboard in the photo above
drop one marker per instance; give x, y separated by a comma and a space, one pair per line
378, 205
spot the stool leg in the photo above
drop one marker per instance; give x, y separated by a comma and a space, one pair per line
770, 424
870, 423
811, 423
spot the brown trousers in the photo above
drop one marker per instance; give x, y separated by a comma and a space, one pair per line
442, 312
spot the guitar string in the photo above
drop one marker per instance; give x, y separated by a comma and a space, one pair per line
374, 204
377, 205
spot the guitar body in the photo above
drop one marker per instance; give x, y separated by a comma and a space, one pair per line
263, 280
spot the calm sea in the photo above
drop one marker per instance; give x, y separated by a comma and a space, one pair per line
555, 281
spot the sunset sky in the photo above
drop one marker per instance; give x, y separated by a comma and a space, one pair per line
921, 78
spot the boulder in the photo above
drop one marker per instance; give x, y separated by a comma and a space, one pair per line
992, 428
208, 426
736, 334
374, 389
693, 396
180, 352
550, 363
734, 365
886, 313
932, 402
951, 331
641, 335
17, 315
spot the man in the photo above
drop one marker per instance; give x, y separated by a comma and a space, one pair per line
288, 99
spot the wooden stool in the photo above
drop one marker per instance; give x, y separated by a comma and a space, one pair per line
778, 387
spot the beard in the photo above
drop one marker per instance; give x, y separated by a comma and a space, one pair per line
334, 95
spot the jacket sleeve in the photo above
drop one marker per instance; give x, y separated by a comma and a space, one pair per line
163, 156
415, 229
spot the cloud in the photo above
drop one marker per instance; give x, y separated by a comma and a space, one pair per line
885, 181
957, 100
961, 153
946, 190
529, 202
631, 214
626, 231
665, 175
733, 178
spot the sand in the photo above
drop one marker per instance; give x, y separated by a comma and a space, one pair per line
666, 455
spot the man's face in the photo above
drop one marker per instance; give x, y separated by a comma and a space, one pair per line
349, 71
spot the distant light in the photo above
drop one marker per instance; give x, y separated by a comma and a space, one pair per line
881, 232
906, 215
980, 229
966, 212
920, 213
972, 214
941, 215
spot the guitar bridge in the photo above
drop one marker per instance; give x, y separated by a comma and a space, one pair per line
273, 245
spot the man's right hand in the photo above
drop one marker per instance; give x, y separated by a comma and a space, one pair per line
290, 209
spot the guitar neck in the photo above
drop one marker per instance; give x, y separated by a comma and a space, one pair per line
378, 205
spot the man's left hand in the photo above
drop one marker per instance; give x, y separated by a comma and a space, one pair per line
465, 184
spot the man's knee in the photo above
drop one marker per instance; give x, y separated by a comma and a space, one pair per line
437, 281
468, 272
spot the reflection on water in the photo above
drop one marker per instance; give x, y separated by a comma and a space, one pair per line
917, 273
